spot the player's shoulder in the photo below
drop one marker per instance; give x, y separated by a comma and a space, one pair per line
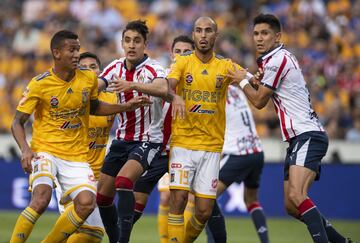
42, 76
187, 54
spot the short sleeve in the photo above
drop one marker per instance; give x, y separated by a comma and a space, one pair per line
177, 67
109, 71
30, 98
274, 71
94, 90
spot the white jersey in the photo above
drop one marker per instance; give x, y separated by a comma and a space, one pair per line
135, 125
291, 97
240, 135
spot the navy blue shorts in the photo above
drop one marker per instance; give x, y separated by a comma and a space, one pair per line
121, 151
306, 150
242, 168
150, 178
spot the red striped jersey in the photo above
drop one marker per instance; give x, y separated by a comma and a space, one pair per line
240, 134
135, 125
291, 96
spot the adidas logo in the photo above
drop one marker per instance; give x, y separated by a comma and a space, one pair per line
204, 72
21, 236
69, 91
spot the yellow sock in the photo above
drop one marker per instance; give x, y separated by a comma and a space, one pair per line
163, 223
66, 224
193, 230
24, 225
188, 213
87, 234
176, 228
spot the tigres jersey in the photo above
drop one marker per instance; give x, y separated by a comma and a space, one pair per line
203, 86
61, 113
98, 135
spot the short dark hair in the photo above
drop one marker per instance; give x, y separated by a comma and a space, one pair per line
138, 26
183, 38
90, 55
269, 19
59, 37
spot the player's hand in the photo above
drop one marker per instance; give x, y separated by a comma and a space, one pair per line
119, 85
237, 74
138, 101
258, 75
178, 107
26, 158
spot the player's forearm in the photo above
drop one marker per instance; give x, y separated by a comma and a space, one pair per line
255, 97
105, 109
158, 89
19, 135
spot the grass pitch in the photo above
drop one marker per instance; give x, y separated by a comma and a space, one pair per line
281, 230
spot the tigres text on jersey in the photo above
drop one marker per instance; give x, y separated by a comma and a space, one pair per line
203, 86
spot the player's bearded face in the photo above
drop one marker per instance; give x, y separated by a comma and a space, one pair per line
134, 46
68, 55
265, 38
204, 36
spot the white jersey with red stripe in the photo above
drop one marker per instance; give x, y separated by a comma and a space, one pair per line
143, 124
240, 135
291, 96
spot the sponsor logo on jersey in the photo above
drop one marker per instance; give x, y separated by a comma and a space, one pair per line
93, 145
272, 68
188, 78
54, 102
68, 125
175, 165
197, 109
219, 81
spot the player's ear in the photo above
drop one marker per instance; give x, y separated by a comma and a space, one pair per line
56, 53
277, 37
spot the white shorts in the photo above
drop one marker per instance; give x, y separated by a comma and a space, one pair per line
73, 177
93, 220
163, 184
194, 170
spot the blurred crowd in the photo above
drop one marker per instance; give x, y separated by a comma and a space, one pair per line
324, 36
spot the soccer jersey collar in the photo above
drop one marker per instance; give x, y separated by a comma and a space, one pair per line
269, 53
139, 64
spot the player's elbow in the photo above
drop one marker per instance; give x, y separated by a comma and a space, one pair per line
260, 103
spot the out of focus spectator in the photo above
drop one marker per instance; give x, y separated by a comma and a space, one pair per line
323, 34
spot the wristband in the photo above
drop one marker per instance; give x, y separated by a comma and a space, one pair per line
243, 83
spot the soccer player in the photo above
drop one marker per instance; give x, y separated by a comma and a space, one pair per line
283, 82
197, 137
98, 134
243, 161
138, 139
62, 98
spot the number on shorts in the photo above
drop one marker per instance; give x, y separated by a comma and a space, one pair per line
184, 177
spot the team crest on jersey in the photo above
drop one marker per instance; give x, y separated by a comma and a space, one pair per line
54, 102
85, 96
188, 78
219, 81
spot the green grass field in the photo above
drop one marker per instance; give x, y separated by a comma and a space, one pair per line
239, 229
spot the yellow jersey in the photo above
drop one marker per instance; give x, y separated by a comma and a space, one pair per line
98, 135
203, 86
62, 111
